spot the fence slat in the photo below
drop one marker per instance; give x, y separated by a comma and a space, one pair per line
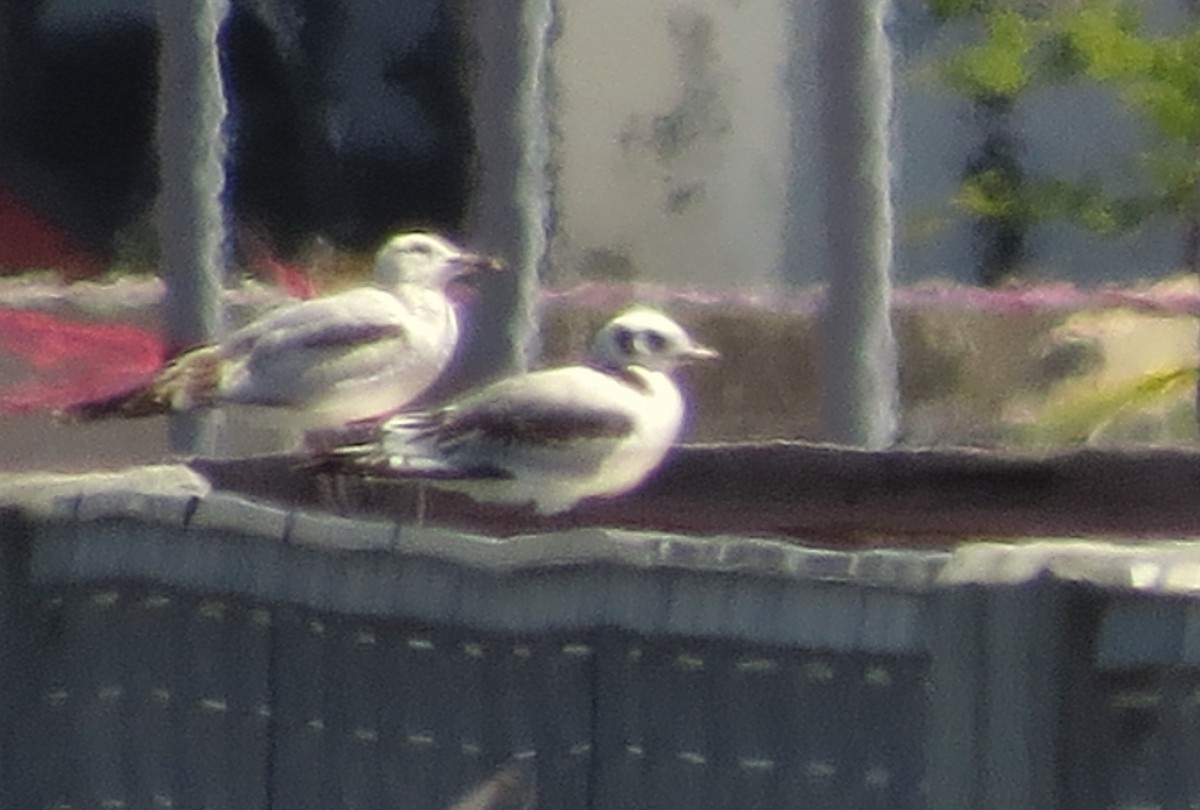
549, 686
1023, 678
956, 694
299, 777
354, 690
22, 629
158, 755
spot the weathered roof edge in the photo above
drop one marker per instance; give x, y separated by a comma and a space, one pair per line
178, 496
160, 528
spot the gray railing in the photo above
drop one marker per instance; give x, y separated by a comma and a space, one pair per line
171, 646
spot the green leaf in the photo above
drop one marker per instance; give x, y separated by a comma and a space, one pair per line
1173, 109
1156, 78
991, 195
1084, 417
1110, 49
996, 68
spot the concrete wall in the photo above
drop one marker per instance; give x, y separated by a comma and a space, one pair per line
673, 122
689, 149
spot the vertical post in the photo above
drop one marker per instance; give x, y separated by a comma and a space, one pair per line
511, 211
1005, 660
860, 399
191, 226
21, 682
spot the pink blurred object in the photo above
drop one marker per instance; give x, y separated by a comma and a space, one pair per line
261, 260
72, 360
288, 277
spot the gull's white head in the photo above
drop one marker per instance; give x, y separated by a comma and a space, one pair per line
426, 260
646, 338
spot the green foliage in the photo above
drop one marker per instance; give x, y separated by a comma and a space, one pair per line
1029, 43
997, 68
1157, 78
1105, 38
1098, 413
992, 195
1176, 174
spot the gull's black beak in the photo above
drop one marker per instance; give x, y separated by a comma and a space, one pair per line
472, 265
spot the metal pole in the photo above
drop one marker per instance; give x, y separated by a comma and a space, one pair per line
511, 212
191, 153
860, 398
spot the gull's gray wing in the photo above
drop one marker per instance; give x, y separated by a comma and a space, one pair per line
341, 321
304, 351
566, 420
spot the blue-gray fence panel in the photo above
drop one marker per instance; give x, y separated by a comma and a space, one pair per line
159, 695
704, 722
1146, 698
1149, 727
147, 697
201, 650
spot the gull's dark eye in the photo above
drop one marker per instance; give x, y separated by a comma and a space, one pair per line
420, 248
655, 342
624, 340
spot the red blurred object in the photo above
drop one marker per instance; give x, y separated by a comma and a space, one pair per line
288, 277
58, 361
31, 242
71, 361
264, 264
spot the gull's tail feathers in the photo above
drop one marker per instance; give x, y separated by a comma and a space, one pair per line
187, 382
403, 447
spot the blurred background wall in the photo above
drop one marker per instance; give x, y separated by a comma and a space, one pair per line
684, 141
